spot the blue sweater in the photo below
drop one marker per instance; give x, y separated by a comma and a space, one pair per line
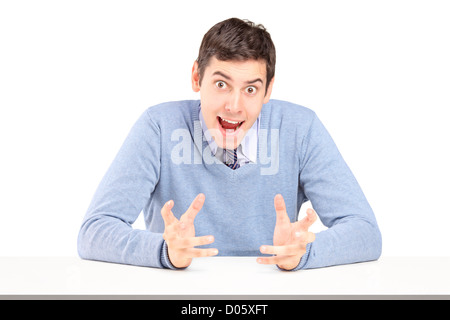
165, 157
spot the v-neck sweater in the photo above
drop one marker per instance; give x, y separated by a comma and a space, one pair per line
165, 157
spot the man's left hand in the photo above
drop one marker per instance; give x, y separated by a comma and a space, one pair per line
289, 239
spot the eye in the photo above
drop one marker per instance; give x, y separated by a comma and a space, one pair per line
221, 84
250, 90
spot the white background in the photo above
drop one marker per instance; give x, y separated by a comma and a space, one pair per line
75, 76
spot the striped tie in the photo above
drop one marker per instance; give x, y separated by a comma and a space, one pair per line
231, 158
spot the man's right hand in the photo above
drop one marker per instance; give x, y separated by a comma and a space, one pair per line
180, 234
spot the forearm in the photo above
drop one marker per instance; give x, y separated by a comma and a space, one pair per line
106, 233
351, 241
106, 238
353, 234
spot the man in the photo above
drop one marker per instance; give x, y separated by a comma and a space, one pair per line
240, 163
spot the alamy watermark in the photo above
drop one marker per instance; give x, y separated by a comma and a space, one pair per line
185, 153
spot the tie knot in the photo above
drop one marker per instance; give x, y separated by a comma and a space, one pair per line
231, 158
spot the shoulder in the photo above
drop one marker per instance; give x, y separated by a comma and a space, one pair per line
289, 110
172, 108
290, 116
173, 113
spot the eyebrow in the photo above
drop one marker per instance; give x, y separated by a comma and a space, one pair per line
218, 73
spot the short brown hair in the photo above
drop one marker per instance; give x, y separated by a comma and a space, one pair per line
236, 39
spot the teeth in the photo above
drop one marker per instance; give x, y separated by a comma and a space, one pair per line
229, 121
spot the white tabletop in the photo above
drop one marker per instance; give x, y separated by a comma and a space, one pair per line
238, 276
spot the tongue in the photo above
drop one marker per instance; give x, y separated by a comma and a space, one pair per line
227, 125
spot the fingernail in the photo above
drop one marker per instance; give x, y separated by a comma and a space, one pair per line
210, 239
279, 198
298, 234
169, 203
215, 251
263, 249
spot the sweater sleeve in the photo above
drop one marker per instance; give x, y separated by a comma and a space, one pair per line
353, 234
106, 233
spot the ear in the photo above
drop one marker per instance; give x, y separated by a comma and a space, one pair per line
195, 77
269, 91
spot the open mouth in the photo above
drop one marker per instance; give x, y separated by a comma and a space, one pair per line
229, 126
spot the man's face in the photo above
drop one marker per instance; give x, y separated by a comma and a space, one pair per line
232, 94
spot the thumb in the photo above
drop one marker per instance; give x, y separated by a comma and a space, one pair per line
280, 208
194, 208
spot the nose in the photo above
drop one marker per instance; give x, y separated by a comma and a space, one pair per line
235, 104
